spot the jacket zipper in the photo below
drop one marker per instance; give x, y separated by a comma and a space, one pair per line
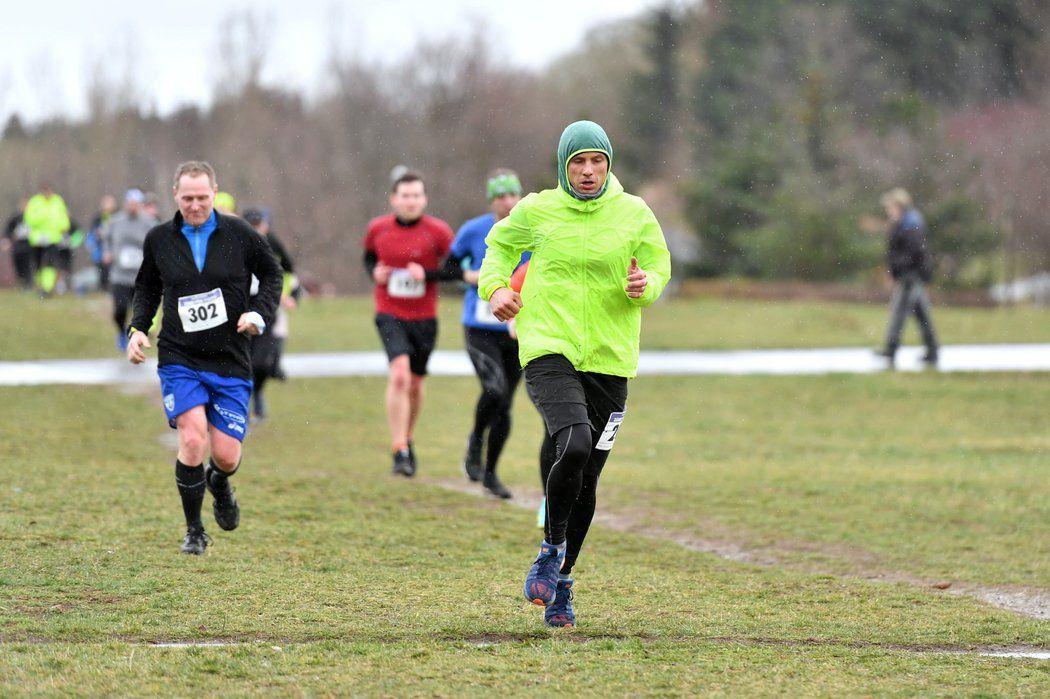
583, 271
197, 244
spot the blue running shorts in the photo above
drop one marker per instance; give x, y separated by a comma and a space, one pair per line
225, 398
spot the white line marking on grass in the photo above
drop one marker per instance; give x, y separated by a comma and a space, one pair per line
1037, 654
198, 644
1020, 653
209, 644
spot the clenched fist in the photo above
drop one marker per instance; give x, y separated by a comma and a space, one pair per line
505, 303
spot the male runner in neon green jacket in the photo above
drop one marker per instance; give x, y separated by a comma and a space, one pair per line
598, 257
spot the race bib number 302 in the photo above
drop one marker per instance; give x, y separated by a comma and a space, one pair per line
605, 442
202, 311
402, 286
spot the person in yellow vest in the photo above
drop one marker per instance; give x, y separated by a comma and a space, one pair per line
48, 221
225, 203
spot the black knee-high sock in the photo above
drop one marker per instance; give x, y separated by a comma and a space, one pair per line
573, 446
190, 480
499, 430
218, 476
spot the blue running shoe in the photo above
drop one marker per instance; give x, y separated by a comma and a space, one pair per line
541, 584
559, 615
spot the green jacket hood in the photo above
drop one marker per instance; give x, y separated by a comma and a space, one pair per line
582, 137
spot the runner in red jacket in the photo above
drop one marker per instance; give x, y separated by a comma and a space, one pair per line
404, 251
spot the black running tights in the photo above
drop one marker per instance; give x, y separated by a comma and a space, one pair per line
570, 467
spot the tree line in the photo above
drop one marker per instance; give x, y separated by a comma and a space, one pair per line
762, 131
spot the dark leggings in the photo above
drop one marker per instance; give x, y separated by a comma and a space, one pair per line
493, 415
495, 358
259, 378
121, 302
570, 467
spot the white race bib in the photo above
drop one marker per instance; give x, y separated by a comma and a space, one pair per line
401, 285
130, 257
605, 442
202, 311
483, 313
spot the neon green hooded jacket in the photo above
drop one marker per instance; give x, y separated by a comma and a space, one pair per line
47, 219
573, 300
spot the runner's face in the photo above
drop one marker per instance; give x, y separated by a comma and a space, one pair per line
409, 201
502, 205
893, 212
194, 195
587, 172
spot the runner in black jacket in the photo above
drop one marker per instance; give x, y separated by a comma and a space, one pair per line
202, 263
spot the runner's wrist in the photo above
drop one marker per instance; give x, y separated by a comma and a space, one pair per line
489, 291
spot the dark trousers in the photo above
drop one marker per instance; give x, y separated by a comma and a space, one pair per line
22, 257
122, 296
910, 298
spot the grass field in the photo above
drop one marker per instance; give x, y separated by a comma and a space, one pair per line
342, 580
79, 327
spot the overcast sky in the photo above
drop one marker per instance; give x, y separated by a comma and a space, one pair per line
49, 49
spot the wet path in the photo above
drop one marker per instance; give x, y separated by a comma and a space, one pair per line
956, 358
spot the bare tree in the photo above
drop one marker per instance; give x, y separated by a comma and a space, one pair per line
243, 46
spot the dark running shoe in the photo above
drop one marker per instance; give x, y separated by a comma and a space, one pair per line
225, 508
195, 543
541, 584
403, 465
412, 456
472, 467
560, 615
930, 357
494, 487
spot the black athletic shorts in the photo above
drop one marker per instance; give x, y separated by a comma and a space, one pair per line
565, 396
416, 338
65, 259
45, 256
494, 354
